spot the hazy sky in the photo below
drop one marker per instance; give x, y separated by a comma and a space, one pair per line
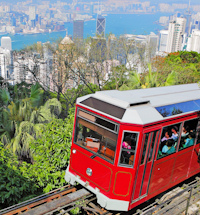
153, 1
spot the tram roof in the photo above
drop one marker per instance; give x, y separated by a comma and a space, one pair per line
142, 106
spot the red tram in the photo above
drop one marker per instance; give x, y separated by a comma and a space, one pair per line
129, 146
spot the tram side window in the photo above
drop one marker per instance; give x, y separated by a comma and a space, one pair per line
128, 148
169, 140
95, 139
188, 134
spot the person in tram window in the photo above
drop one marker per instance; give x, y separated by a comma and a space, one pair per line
184, 136
170, 145
168, 135
190, 140
168, 148
126, 145
174, 133
185, 132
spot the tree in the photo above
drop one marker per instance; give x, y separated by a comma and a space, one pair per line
148, 80
31, 125
51, 153
185, 64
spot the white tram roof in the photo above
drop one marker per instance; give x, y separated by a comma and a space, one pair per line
143, 106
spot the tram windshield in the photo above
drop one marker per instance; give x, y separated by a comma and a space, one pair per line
96, 134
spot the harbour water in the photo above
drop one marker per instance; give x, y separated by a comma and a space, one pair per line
117, 24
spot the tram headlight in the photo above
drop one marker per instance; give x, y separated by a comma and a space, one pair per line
89, 171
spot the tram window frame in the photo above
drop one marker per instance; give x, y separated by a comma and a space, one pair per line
102, 142
153, 143
131, 159
146, 140
189, 138
198, 132
172, 142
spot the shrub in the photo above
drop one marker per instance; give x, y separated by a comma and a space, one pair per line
51, 153
14, 185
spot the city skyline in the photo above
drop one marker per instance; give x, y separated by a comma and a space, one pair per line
93, 1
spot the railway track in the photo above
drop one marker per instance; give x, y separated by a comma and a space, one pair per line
68, 199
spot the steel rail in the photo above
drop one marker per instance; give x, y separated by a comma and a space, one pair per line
27, 205
63, 200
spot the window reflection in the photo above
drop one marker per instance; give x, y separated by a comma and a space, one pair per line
174, 109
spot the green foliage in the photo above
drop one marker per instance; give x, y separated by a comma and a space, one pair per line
68, 99
31, 124
119, 77
147, 80
51, 154
185, 64
4, 96
14, 186
183, 57
75, 211
36, 95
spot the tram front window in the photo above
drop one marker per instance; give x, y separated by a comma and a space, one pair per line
95, 138
128, 148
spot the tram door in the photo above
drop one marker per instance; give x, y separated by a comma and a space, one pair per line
147, 155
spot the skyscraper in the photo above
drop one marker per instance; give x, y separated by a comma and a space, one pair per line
193, 43
100, 27
6, 43
175, 35
163, 40
188, 16
78, 29
6, 58
32, 13
152, 41
13, 21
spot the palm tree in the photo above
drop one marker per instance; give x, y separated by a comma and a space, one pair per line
31, 126
137, 81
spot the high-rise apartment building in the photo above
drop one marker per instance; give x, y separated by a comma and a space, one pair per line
6, 43
163, 40
193, 43
32, 13
175, 34
152, 45
78, 29
100, 27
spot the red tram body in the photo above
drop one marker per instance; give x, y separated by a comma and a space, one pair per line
129, 146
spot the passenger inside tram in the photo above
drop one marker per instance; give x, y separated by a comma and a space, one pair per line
126, 145
185, 131
190, 140
169, 140
128, 148
168, 135
174, 133
188, 134
169, 148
